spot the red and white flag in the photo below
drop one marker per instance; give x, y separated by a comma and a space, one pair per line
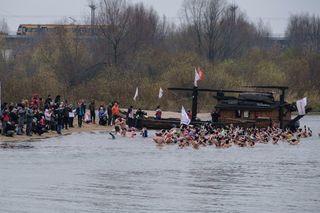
198, 75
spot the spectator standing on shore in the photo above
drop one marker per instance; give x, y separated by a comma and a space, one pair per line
5, 117
92, 109
21, 119
48, 102
47, 116
80, 113
115, 111
35, 101
13, 115
57, 101
71, 111
102, 115
29, 117
158, 113
109, 112
66, 111
59, 112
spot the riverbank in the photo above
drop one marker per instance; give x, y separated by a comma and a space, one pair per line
85, 128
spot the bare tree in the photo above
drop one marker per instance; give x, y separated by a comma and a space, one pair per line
238, 34
212, 21
219, 30
193, 11
4, 26
114, 20
303, 32
262, 36
204, 18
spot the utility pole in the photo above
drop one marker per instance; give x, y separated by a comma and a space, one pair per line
233, 9
93, 8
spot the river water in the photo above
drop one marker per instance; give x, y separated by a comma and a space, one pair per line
93, 173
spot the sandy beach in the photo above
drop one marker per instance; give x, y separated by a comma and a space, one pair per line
85, 128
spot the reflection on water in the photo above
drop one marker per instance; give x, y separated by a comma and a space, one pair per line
92, 173
15, 146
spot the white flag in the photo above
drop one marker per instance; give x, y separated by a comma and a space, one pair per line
184, 117
136, 94
160, 93
301, 106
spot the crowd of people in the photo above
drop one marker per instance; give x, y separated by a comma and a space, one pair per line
38, 116
209, 135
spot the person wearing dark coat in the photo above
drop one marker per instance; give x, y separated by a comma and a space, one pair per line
57, 101
139, 116
109, 112
66, 111
59, 113
130, 117
215, 117
92, 109
21, 120
71, 115
80, 113
29, 118
47, 102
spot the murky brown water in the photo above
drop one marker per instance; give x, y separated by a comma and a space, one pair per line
92, 173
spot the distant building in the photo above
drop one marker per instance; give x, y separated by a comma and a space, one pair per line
272, 41
36, 29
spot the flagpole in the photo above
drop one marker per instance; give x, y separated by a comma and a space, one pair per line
194, 103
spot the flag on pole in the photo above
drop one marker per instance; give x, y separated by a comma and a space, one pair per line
160, 93
198, 75
184, 117
136, 94
301, 106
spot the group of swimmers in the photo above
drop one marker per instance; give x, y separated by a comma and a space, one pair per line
122, 129
209, 135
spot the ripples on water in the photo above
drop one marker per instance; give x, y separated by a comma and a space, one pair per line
92, 173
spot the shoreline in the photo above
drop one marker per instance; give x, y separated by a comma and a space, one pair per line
52, 134
95, 128
85, 128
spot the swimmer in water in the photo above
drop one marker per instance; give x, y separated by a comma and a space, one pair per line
112, 135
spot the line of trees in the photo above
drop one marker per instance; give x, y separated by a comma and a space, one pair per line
134, 46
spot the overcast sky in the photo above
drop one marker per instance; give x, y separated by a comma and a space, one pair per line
274, 13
